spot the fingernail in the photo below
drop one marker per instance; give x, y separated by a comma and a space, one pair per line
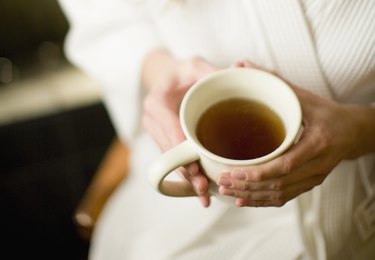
192, 172
239, 203
198, 187
201, 191
224, 181
224, 191
238, 174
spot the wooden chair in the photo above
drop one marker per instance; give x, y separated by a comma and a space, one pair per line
113, 169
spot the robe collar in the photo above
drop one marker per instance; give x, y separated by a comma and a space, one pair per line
290, 44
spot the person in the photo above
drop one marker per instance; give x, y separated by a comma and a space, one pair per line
308, 203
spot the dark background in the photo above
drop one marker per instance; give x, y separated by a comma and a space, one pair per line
46, 162
31, 36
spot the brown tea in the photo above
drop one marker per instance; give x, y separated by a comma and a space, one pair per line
240, 129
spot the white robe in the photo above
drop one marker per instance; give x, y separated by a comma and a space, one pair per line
325, 46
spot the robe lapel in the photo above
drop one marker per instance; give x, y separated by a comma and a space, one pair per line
290, 44
189, 232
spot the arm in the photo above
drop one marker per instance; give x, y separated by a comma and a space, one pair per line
116, 42
166, 80
109, 40
365, 121
113, 169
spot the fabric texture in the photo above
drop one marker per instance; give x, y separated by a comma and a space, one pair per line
327, 47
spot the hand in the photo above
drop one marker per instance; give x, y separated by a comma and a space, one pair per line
332, 132
161, 107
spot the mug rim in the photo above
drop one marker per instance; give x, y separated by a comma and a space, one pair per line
294, 133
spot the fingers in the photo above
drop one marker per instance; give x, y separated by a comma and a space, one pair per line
311, 169
205, 200
301, 153
168, 133
276, 192
161, 106
298, 170
272, 197
160, 118
191, 172
275, 198
198, 182
156, 131
274, 183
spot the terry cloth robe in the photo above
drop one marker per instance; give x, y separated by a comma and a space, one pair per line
327, 47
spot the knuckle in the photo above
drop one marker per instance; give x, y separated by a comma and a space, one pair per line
254, 175
192, 168
236, 194
279, 199
277, 185
185, 174
247, 186
324, 168
247, 195
279, 196
280, 203
324, 139
287, 165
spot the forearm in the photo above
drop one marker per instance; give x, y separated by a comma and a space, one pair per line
365, 121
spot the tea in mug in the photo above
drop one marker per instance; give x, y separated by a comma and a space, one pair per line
240, 129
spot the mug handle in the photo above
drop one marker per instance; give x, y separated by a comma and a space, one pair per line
179, 155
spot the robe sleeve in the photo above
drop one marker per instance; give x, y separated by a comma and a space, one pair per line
108, 39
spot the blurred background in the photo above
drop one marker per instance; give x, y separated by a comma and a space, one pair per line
54, 132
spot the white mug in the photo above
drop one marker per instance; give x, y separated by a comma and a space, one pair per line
228, 83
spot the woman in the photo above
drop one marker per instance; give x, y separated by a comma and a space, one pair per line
324, 49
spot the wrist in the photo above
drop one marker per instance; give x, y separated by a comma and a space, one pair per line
156, 64
364, 123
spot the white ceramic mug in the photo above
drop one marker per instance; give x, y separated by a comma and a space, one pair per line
228, 83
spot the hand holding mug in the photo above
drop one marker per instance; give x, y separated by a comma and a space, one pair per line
332, 132
231, 83
161, 108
